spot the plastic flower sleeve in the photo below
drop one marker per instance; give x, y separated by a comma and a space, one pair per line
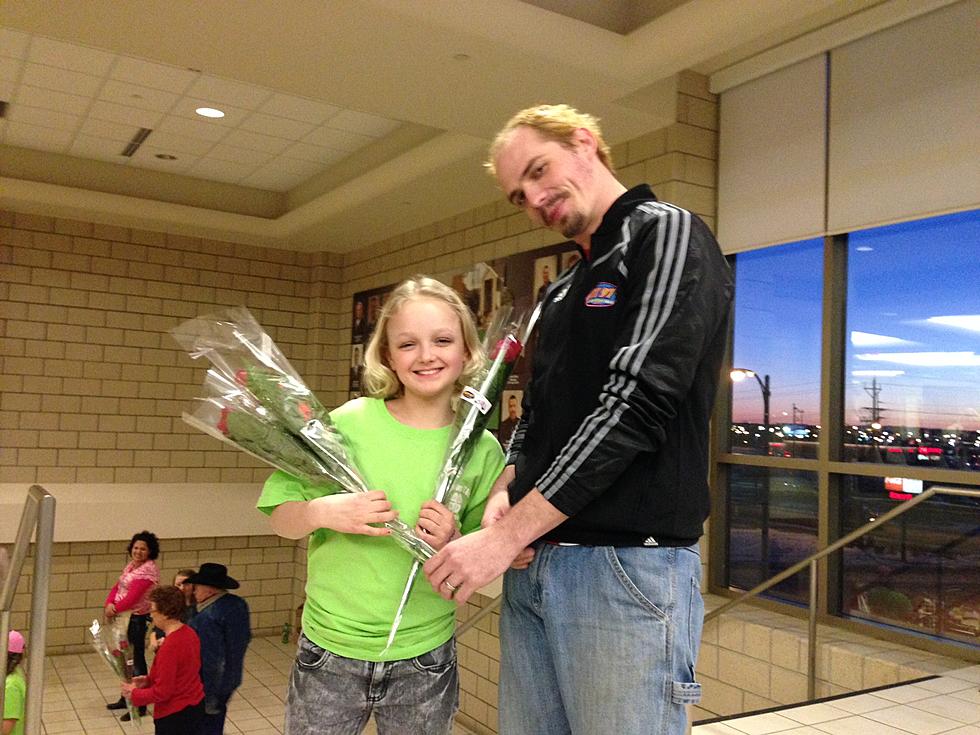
111, 643
255, 400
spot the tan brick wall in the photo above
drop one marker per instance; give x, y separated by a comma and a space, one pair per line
82, 573
754, 659
93, 384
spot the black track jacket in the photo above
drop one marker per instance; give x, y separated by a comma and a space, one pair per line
614, 431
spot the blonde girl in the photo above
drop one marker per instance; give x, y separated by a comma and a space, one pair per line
423, 350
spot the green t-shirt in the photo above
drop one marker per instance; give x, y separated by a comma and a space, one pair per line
355, 582
15, 694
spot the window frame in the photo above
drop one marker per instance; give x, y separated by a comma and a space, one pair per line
828, 466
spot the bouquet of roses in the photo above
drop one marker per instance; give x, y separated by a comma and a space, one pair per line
111, 643
254, 400
503, 342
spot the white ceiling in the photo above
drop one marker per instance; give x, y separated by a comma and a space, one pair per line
347, 121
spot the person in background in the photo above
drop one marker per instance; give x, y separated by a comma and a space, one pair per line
222, 624
423, 351
508, 425
128, 596
190, 607
15, 692
605, 493
173, 685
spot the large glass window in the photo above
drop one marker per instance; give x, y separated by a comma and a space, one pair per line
912, 389
772, 517
776, 350
919, 571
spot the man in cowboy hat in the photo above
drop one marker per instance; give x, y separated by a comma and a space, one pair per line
222, 624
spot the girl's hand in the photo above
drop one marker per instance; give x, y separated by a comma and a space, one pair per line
110, 611
126, 688
499, 502
353, 512
437, 524
139, 682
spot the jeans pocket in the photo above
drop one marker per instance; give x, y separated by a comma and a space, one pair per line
645, 586
438, 660
310, 656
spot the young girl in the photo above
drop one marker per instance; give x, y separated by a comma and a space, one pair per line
423, 350
15, 693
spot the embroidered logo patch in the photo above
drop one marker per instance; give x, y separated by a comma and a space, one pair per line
604, 294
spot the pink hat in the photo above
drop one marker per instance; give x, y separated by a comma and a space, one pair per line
15, 642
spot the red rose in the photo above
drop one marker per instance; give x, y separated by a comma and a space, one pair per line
511, 348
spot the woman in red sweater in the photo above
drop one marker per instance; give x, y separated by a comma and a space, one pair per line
173, 685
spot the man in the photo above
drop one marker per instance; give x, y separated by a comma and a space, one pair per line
545, 282
222, 624
606, 476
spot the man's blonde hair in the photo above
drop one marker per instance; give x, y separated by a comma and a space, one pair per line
379, 380
555, 122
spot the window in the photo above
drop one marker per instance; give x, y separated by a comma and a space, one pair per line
902, 354
912, 390
776, 350
772, 518
920, 570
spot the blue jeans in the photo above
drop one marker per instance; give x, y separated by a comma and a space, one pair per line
333, 695
600, 639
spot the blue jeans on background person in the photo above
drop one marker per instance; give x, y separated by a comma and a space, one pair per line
333, 695
600, 639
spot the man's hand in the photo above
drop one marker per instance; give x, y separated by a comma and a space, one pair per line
352, 512
437, 524
470, 562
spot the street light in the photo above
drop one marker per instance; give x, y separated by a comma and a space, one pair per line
739, 374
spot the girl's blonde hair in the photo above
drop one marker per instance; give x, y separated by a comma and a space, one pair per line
379, 380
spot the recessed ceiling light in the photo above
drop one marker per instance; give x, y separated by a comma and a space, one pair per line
166, 157
209, 112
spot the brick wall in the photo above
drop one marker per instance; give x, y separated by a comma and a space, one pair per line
754, 659
82, 573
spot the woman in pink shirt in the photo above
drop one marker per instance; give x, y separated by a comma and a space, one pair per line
129, 596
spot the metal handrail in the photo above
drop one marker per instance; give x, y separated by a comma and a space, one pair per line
38, 515
813, 560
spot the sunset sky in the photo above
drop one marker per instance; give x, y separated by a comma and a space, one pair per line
913, 326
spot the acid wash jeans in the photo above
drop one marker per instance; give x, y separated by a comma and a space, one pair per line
333, 695
600, 639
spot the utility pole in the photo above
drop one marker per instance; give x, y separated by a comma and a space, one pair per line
797, 412
875, 407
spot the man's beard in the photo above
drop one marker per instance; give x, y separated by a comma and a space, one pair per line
573, 225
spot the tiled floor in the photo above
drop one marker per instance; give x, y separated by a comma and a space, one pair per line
78, 686
949, 705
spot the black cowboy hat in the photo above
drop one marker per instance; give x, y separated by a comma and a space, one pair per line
213, 575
